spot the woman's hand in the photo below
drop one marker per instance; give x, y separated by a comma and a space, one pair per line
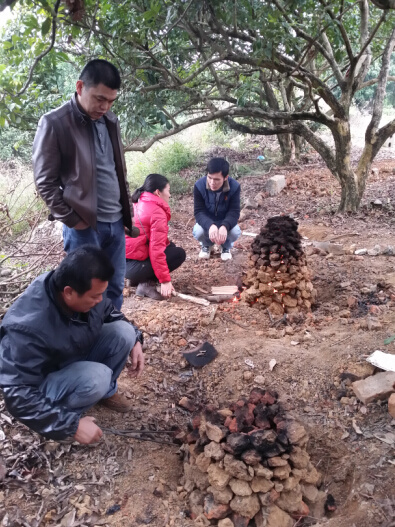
166, 289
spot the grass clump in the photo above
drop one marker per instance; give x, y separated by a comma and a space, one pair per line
167, 159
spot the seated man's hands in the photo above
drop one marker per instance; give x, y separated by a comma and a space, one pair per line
222, 235
216, 235
137, 360
166, 289
88, 432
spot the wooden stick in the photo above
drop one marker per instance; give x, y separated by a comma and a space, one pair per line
194, 299
224, 290
220, 298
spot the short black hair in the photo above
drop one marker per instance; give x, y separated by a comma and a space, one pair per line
99, 71
80, 266
218, 164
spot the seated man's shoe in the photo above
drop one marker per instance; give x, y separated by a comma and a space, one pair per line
117, 403
205, 252
148, 289
225, 254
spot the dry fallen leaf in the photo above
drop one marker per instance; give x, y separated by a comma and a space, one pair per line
272, 363
356, 427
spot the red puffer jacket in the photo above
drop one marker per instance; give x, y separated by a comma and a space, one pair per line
154, 214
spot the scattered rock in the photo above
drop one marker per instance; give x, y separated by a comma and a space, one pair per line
275, 184
379, 386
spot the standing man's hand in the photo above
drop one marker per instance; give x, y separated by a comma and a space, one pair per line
88, 432
213, 233
222, 235
137, 360
81, 225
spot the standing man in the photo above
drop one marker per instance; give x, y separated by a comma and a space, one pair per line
63, 346
80, 170
217, 209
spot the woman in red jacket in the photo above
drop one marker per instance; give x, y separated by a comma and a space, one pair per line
151, 257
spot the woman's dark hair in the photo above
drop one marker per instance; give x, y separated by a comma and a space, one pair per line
80, 266
99, 71
152, 182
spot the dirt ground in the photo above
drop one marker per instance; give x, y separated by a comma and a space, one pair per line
125, 482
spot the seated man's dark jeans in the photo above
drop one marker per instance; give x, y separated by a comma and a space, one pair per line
139, 272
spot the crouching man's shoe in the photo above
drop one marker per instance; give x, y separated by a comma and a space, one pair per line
148, 289
225, 254
117, 403
205, 252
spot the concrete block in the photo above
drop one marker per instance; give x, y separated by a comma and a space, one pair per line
379, 386
275, 184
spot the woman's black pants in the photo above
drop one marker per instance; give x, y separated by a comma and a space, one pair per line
141, 271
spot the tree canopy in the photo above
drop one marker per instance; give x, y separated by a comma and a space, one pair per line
284, 67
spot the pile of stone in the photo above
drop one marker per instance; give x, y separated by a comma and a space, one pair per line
247, 465
278, 278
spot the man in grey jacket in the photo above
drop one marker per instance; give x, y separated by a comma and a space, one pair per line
63, 346
80, 170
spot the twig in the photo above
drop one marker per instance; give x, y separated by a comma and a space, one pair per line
270, 315
122, 433
343, 235
340, 341
234, 321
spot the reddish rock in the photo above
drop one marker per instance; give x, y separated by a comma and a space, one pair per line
374, 310
228, 420
196, 420
233, 426
255, 395
213, 510
302, 512
188, 404
269, 398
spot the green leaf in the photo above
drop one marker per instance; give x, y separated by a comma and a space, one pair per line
46, 26
389, 339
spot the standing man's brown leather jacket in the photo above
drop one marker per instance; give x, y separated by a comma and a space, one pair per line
65, 165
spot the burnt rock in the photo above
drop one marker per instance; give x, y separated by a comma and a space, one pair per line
237, 443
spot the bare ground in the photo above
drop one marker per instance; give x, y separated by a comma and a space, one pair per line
49, 484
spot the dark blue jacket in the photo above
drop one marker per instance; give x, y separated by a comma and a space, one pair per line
224, 211
36, 338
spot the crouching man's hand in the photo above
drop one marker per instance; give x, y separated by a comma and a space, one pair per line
88, 432
137, 360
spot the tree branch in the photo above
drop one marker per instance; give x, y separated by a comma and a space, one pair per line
43, 53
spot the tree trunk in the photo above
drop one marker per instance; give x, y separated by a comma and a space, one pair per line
299, 141
285, 141
350, 196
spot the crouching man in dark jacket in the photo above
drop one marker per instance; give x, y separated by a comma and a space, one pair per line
63, 346
216, 198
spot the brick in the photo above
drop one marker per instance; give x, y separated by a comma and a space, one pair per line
379, 386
